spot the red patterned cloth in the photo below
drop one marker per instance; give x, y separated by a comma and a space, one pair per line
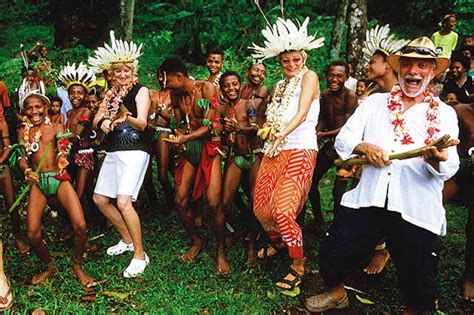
85, 160
282, 187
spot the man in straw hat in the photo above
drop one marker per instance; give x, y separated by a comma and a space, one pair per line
400, 199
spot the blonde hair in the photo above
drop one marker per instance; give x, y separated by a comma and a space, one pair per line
131, 65
302, 53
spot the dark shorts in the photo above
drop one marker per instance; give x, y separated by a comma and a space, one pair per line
414, 251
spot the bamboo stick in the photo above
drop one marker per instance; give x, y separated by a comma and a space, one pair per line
440, 143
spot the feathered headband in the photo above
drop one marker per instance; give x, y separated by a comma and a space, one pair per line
70, 75
378, 39
26, 91
284, 35
120, 52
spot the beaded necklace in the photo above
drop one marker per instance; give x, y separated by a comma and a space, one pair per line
33, 146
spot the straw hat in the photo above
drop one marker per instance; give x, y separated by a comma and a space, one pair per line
422, 48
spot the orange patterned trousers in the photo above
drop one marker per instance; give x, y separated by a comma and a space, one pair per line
282, 187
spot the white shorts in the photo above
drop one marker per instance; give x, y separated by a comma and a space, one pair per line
122, 173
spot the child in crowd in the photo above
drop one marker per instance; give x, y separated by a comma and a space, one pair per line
54, 111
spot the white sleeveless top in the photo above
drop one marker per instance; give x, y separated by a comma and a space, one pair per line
304, 136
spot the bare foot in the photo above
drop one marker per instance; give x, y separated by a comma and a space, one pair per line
192, 252
378, 262
222, 265
468, 290
267, 252
21, 246
66, 235
44, 275
251, 255
198, 220
86, 280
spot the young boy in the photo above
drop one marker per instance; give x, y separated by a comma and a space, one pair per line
240, 127
214, 63
44, 141
199, 166
54, 111
78, 122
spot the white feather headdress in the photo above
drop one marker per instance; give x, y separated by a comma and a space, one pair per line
284, 35
379, 39
120, 52
26, 91
70, 75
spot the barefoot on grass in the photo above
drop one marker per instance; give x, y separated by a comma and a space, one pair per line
44, 275
251, 255
378, 262
81, 275
192, 252
468, 290
21, 246
222, 266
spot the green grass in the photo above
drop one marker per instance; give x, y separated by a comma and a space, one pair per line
170, 286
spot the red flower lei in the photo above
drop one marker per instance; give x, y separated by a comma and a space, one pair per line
397, 119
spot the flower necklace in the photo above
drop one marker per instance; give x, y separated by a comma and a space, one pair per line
33, 146
114, 98
397, 119
279, 105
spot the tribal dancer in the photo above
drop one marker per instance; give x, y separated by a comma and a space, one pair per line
46, 148
6, 177
240, 126
123, 118
284, 177
161, 120
198, 168
79, 122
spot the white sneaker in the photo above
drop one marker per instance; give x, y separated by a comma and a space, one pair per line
136, 267
120, 248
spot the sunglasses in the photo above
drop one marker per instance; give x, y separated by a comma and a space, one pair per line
419, 50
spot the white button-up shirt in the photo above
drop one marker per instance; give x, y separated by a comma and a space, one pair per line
411, 187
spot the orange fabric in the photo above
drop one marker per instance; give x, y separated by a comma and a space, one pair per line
282, 187
4, 100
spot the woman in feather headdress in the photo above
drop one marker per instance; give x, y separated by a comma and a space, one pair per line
122, 116
285, 174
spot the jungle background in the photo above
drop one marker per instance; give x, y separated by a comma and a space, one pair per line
185, 28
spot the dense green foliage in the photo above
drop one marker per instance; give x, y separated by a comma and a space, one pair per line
189, 28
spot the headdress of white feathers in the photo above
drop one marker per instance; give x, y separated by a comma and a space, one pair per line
70, 75
284, 35
26, 91
378, 39
120, 52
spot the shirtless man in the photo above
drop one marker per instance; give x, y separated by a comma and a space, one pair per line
42, 140
198, 169
379, 71
337, 104
214, 63
161, 119
240, 126
257, 93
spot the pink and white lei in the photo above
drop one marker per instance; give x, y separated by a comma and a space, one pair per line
397, 119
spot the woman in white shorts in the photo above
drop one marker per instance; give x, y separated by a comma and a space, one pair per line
123, 118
